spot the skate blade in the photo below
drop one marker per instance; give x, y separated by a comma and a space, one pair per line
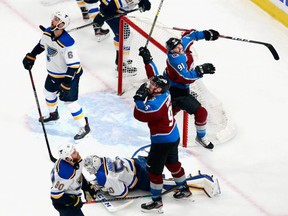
155, 211
100, 38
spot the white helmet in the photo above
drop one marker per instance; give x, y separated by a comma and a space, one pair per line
92, 163
65, 150
63, 18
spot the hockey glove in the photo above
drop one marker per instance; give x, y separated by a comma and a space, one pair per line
145, 54
211, 34
144, 5
206, 68
89, 188
64, 89
75, 201
142, 92
28, 61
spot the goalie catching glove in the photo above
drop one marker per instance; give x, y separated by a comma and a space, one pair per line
206, 68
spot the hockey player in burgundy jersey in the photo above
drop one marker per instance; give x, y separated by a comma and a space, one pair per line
153, 105
181, 73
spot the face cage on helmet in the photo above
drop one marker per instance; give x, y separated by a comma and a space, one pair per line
59, 22
155, 80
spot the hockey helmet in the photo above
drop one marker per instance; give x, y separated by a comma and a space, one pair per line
172, 43
66, 150
92, 163
162, 82
63, 18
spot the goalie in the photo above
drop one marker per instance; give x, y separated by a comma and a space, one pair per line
118, 176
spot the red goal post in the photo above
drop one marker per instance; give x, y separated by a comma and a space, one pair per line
133, 34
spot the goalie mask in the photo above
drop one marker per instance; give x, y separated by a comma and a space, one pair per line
92, 163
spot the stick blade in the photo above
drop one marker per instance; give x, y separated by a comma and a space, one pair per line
273, 51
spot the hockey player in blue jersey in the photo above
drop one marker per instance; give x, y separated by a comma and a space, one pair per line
89, 9
109, 13
181, 73
64, 72
153, 105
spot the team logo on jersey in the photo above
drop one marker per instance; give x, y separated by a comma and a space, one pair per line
51, 51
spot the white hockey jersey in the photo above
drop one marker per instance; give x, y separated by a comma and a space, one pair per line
61, 53
66, 179
117, 176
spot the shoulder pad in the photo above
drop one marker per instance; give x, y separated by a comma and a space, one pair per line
65, 170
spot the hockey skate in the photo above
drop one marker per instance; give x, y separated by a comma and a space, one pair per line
204, 141
153, 207
83, 131
183, 192
128, 69
52, 117
100, 33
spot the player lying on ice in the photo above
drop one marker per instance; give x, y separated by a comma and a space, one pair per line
118, 176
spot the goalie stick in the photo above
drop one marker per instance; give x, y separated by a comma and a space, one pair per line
135, 197
269, 46
108, 205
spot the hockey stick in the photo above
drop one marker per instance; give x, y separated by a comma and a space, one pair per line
89, 24
269, 46
135, 197
53, 159
153, 24
108, 205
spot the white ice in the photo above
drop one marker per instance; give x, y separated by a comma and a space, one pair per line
251, 168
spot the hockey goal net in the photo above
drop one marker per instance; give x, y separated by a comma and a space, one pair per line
133, 34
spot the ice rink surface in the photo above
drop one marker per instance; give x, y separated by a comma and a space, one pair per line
251, 168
